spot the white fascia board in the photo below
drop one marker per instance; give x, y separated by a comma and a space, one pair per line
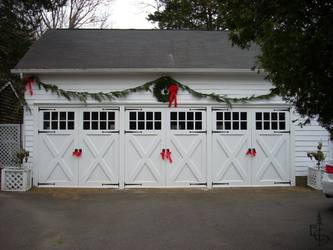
131, 70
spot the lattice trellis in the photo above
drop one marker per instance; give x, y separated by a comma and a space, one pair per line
9, 144
16, 179
315, 177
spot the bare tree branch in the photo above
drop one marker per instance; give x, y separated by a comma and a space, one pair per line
74, 14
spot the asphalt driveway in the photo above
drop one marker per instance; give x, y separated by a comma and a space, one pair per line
272, 218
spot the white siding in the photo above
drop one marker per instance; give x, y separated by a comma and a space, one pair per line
306, 140
231, 84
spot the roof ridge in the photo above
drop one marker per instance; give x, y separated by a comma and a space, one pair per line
157, 30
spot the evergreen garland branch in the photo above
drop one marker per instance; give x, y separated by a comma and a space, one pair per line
155, 86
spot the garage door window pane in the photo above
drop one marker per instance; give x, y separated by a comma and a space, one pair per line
144, 120
98, 120
86, 125
186, 120
54, 115
57, 120
150, 126
46, 125
219, 116
141, 116
103, 116
94, 116
157, 115
94, 125
62, 125
70, 115
150, 116
86, 116
132, 125
62, 116
70, 125
227, 125
227, 116
46, 116
271, 121
243, 125
157, 125
103, 125
190, 125
54, 125
132, 116
111, 116
231, 121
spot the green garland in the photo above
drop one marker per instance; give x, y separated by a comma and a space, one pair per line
158, 87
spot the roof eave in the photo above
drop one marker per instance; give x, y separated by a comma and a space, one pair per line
130, 70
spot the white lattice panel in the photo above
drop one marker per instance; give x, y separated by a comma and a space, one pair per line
315, 177
9, 144
16, 179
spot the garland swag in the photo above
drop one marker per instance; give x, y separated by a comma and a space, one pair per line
158, 87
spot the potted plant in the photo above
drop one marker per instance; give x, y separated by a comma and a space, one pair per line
19, 178
315, 174
21, 155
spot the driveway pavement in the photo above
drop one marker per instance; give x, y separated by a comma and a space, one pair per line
271, 218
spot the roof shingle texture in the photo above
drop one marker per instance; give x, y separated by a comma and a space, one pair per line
103, 49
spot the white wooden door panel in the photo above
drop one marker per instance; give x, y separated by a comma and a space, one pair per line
264, 133
57, 140
186, 139
271, 140
144, 141
99, 161
231, 165
99, 142
143, 163
188, 165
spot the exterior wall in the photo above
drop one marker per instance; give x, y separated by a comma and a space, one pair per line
231, 84
306, 140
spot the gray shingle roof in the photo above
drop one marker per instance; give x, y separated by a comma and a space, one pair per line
107, 49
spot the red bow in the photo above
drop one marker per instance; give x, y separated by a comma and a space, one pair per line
28, 84
173, 89
77, 152
168, 155
163, 154
252, 152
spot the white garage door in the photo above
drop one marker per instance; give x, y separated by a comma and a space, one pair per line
153, 133
93, 132
251, 147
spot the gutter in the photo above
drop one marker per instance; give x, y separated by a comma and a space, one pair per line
131, 70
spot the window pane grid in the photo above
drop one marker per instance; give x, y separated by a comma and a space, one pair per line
270, 120
185, 120
99, 120
145, 120
231, 120
56, 120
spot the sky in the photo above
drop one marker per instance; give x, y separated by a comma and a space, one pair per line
130, 14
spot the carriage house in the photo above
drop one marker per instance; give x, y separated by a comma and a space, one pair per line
137, 140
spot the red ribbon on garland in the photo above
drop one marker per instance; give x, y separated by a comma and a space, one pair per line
28, 84
173, 89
